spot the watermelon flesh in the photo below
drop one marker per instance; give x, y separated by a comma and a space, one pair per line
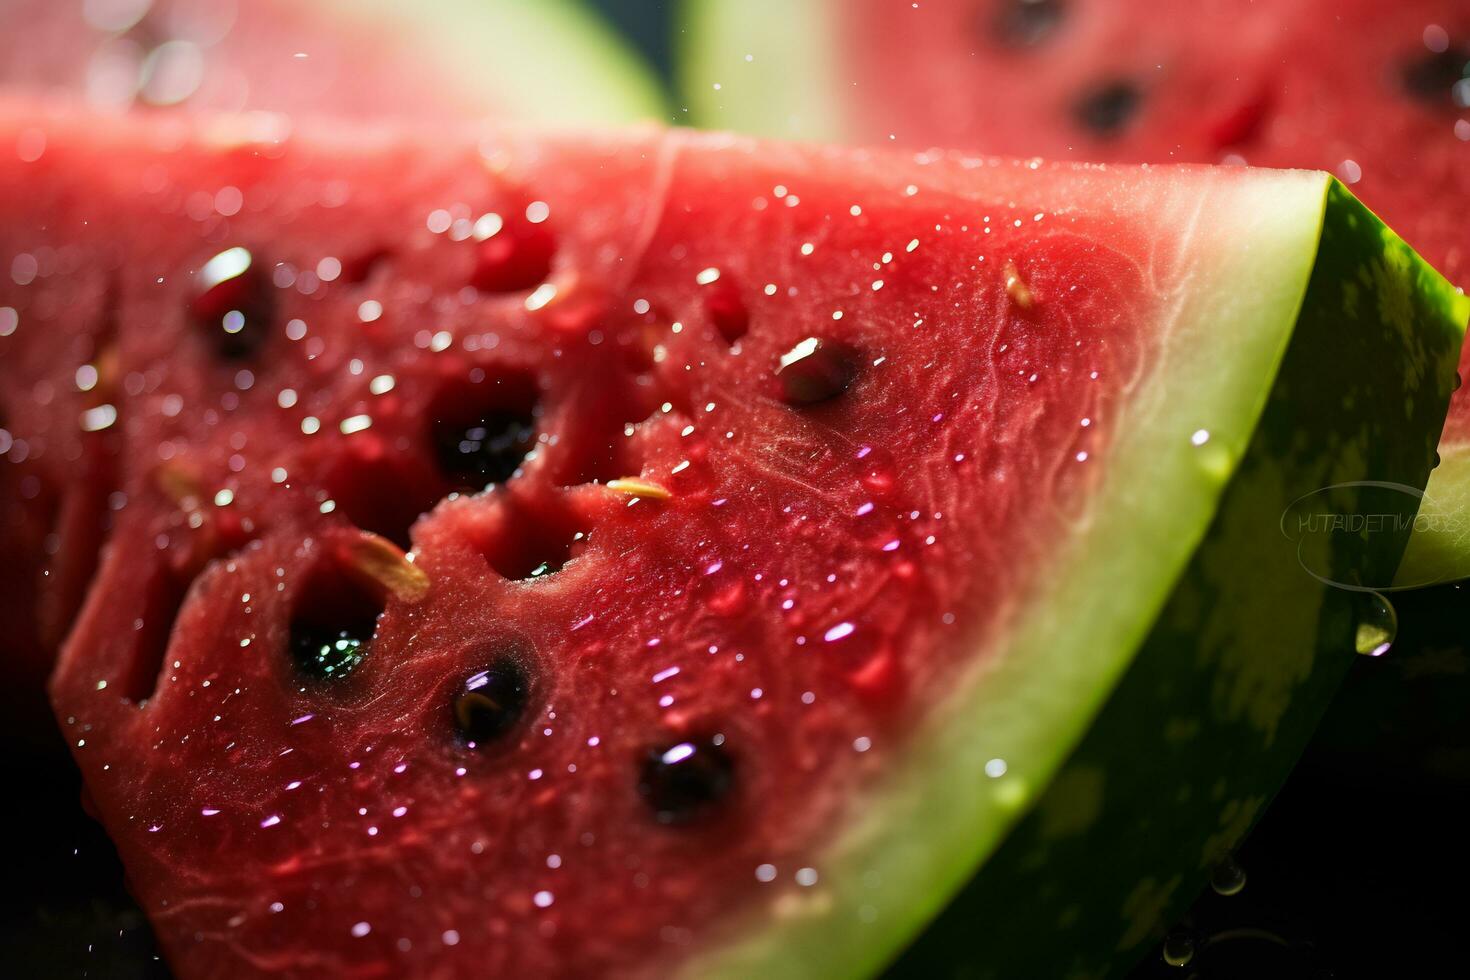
1377, 93
792, 456
360, 60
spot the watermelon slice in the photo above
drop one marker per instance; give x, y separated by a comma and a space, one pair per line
366, 58
1378, 93
439, 60
792, 533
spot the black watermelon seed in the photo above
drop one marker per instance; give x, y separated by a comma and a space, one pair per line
685, 780
1431, 76
325, 653
488, 450
1026, 23
816, 370
1109, 108
233, 304
490, 702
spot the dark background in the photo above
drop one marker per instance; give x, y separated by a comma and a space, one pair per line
1359, 869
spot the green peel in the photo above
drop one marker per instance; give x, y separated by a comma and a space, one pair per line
545, 61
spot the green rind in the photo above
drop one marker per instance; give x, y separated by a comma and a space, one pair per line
1439, 550
547, 61
763, 67
1178, 657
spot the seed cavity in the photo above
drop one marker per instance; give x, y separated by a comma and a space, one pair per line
1431, 77
483, 432
684, 781
380, 566
323, 652
232, 303
726, 309
816, 370
530, 539
515, 257
1026, 23
1108, 109
488, 704
335, 616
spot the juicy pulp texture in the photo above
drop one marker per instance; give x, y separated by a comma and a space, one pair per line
444, 61
1377, 93
708, 618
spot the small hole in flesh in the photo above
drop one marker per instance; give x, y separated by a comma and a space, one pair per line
233, 304
516, 258
816, 370
1026, 23
530, 538
359, 267
1431, 76
490, 702
686, 780
482, 433
1108, 109
333, 624
726, 309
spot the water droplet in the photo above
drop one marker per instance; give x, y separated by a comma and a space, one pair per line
816, 370
1178, 949
1377, 624
687, 779
491, 702
1228, 877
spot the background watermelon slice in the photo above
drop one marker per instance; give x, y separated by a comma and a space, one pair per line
1377, 93
728, 737
439, 60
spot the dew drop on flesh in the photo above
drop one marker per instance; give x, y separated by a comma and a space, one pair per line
1377, 624
1228, 878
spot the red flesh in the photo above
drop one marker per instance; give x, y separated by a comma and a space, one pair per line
234, 787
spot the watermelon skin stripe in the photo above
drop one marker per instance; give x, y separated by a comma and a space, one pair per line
1225, 663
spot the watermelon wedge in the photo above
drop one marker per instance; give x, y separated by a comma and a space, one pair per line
661, 552
1377, 93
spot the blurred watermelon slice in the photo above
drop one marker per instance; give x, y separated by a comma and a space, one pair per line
853, 523
551, 61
